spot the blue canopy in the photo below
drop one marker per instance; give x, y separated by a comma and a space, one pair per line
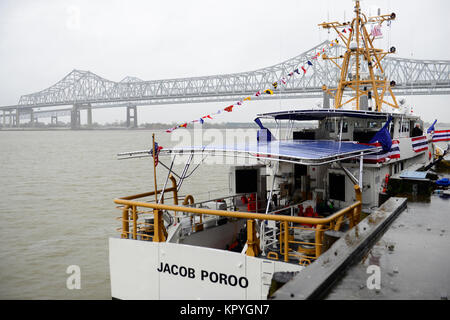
320, 114
309, 152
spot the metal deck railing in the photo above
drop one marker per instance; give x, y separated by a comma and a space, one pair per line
289, 247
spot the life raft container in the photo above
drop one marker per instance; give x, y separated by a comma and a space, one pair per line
309, 213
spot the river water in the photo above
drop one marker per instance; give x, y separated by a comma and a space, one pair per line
57, 210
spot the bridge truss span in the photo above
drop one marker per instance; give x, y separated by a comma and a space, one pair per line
84, 90
83, 87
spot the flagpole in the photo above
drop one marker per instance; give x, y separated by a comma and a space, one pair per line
154, 168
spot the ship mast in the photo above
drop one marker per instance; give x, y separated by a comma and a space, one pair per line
361, 69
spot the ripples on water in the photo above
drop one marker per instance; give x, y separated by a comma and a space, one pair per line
56, 206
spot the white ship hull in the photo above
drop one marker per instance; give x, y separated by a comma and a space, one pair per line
162, 270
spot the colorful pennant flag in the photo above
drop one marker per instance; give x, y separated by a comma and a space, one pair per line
229, 108
275, 85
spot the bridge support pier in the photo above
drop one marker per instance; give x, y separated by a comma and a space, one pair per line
132, 115
4, 118
32, 120
75, 120
89, 115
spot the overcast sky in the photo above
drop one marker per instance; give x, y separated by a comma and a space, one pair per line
43, 40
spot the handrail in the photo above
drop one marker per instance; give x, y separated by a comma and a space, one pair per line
189, 200
151, 193
243, 215
333, 221
158, 226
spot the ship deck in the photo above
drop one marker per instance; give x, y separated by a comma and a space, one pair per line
412, 256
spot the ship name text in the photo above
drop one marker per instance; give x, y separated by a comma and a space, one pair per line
204, 275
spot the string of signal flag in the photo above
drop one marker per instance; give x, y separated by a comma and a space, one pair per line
281, 82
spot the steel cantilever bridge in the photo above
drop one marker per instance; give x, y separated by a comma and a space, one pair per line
86, 90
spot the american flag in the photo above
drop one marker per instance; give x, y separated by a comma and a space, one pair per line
376, 31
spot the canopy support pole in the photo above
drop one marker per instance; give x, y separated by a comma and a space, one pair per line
361, 164
167, 179
186, 167
348, 173
169, 168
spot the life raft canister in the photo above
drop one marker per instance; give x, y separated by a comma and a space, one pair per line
300, 210
251, 206
309, 213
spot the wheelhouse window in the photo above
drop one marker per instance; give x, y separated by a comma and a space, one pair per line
330, 126
345, 127
405, 126
341, 125
373, 124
